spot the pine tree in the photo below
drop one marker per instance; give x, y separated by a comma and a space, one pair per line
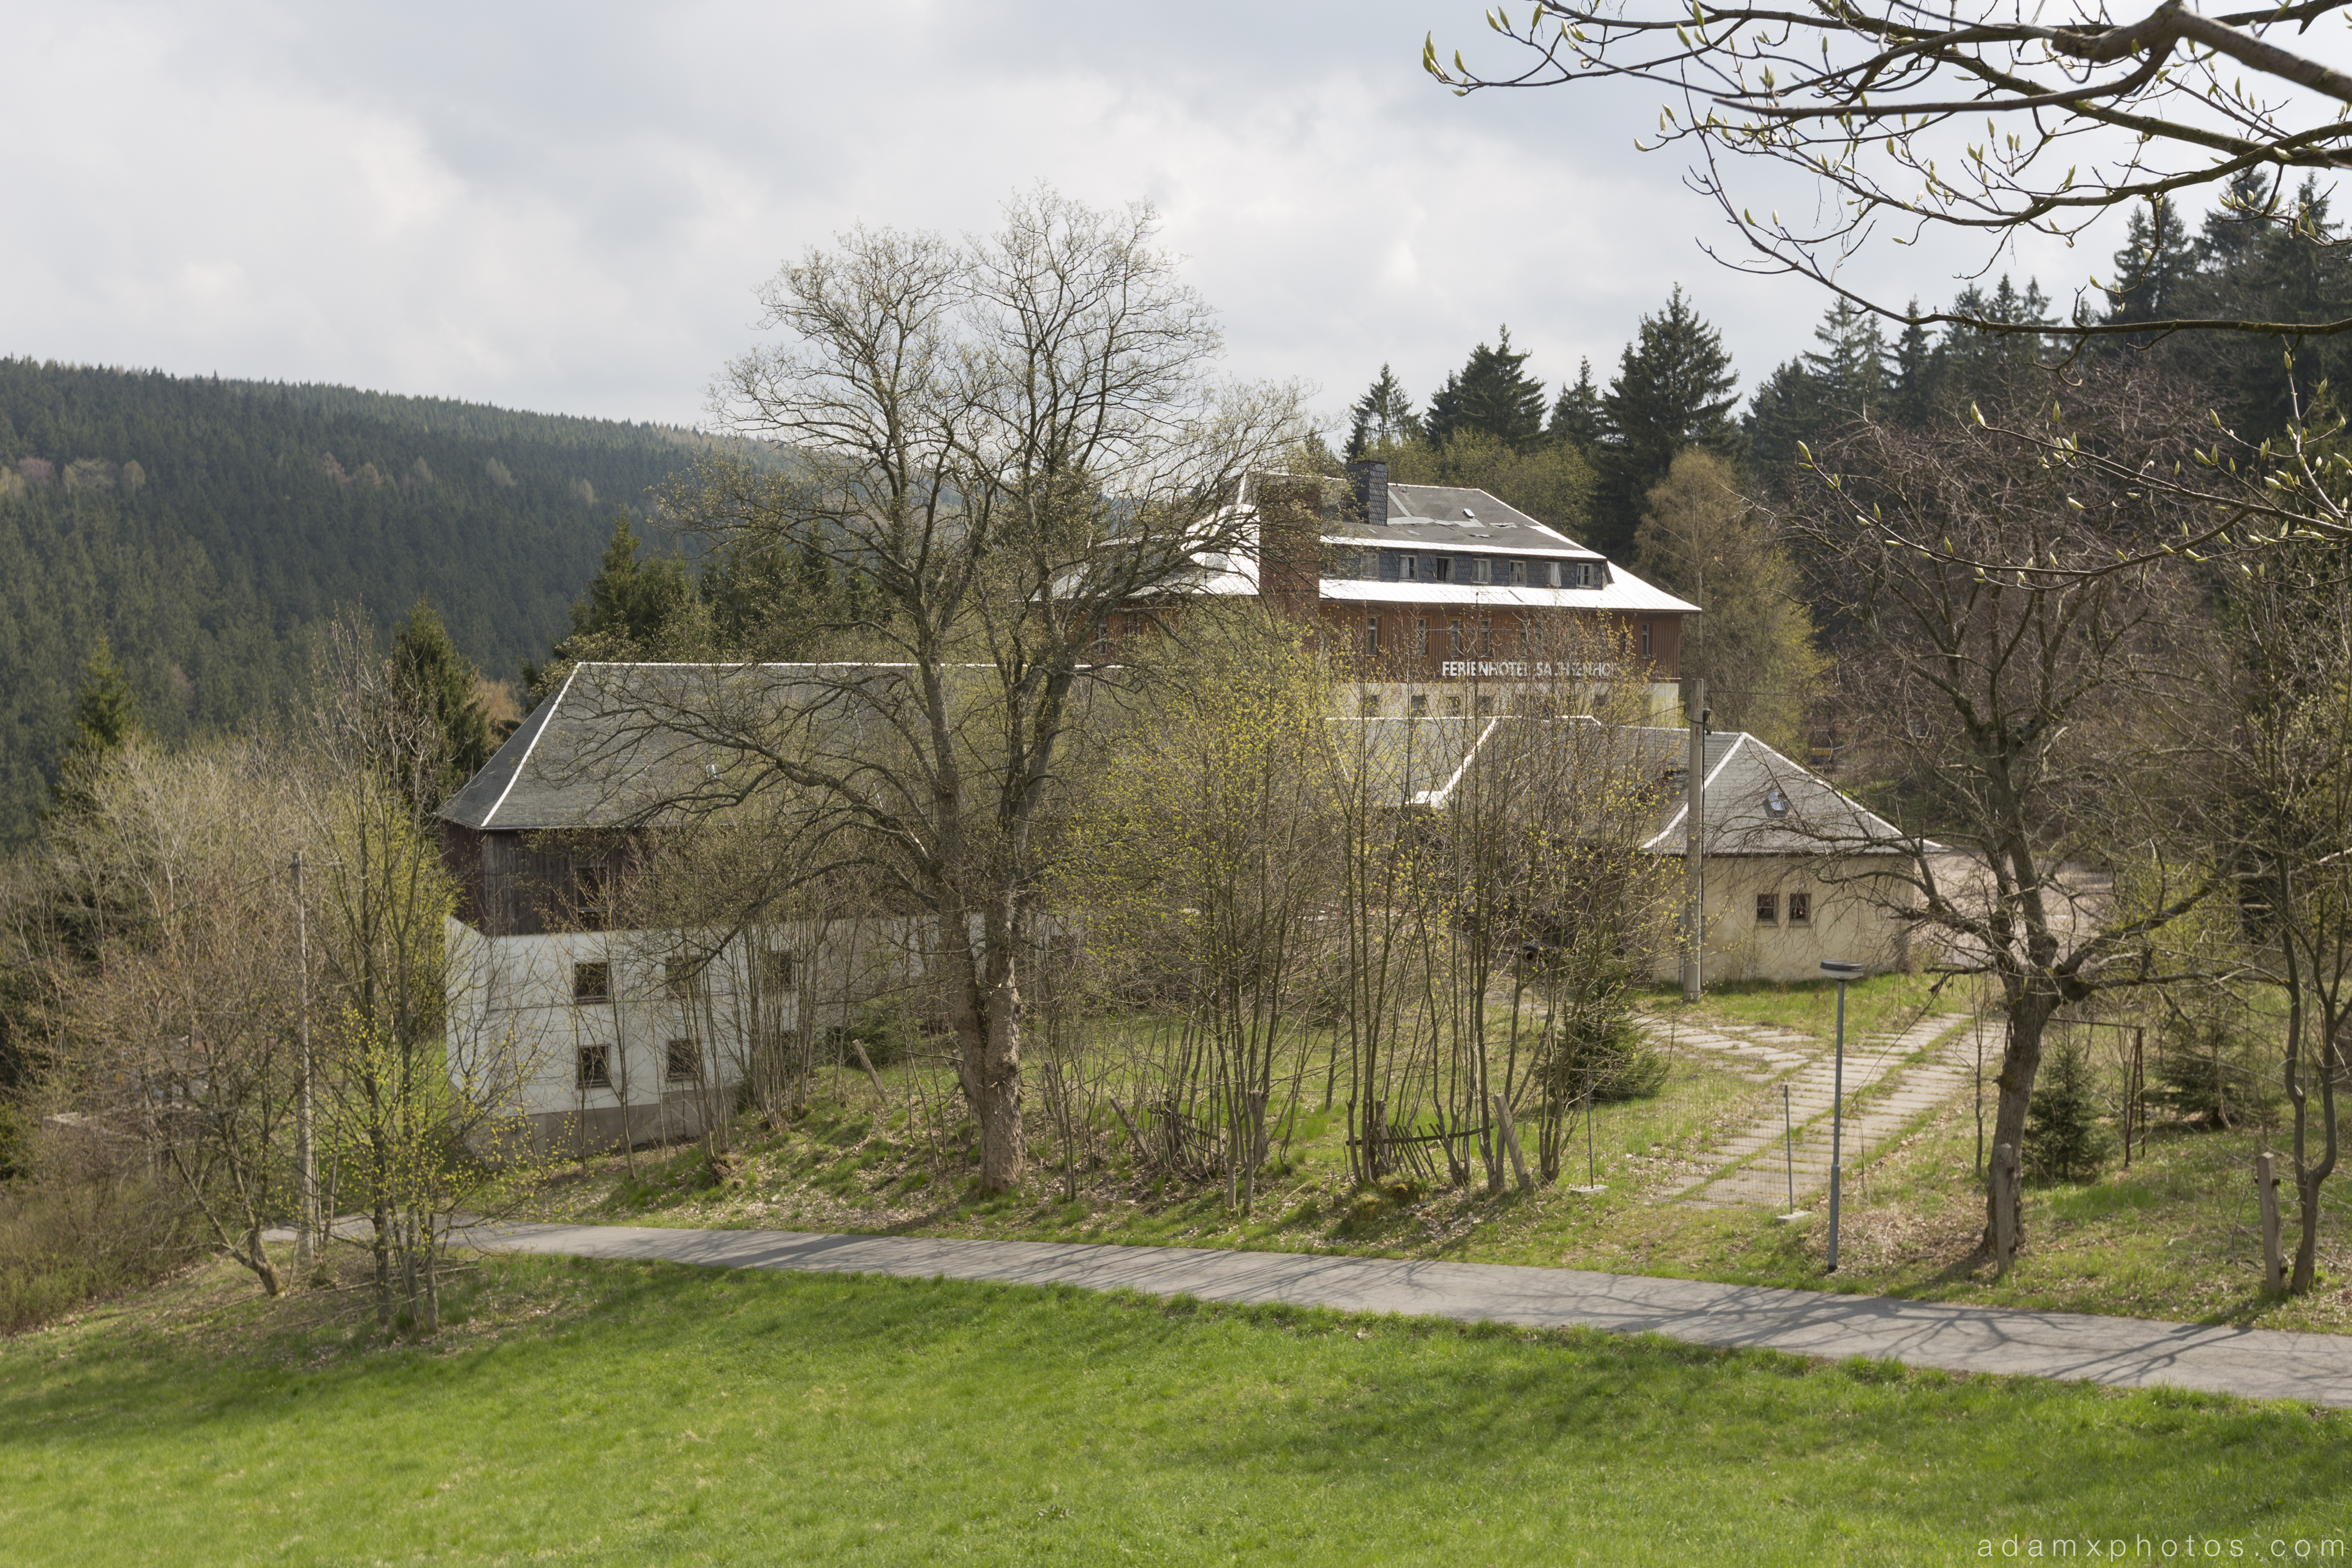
1976, 359
1491, 395
1674, 388
1786, 410
2155, 268
631, 609
1383, 417
1919, 371
106, 718
2066, 1135
1576, 416
427, 669
1849, 367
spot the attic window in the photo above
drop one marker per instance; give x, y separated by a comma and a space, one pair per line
1471, 514
1776, 804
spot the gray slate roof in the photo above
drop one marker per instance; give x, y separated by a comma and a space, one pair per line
1449, 514
1758, 802
625, 744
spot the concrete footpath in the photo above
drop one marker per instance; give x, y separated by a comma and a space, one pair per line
2261, 1363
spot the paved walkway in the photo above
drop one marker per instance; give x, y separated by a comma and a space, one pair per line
1753, 1170
2315, 1369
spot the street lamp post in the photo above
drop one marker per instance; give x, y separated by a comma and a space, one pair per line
1841, 972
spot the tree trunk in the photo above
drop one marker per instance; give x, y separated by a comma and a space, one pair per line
2021, 1059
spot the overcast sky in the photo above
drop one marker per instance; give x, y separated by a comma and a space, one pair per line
566, 206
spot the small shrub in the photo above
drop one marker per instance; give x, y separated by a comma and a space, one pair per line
2208, 1067
2066, 1133
90, 1222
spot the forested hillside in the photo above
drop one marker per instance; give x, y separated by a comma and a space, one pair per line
206, 526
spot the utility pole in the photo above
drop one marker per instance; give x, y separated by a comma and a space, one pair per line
1842, 971
1694, 849
306, 1153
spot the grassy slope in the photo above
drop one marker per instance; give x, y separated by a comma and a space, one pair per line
588, 1413
2174, 1238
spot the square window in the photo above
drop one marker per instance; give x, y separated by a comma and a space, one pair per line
1768, 909
776, 969
1419, 704
1482, 570
677, 977
1453, 707
1800, 909
1371, 704
596, 1067
592, 982
682, 1061
1485, 705
1518, 572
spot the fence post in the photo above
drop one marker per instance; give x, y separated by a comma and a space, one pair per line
2266, 1186
2005, 1194
1511, 1141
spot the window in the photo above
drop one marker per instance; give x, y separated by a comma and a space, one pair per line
1102, 636
1486, 636
1485, 705
1444, 565
677, 977
1768, 909
596, 1067
1421, 635
1411, 566
1453, 707
1370, 706
1645, 639
1551, 574
682, 1061
1454, 635
589, 888
592, 982
1419, 705
1372, 633
1518, 572
1800, 909
776, 969
1482, 570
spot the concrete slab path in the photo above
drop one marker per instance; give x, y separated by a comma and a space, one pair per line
2263, 1363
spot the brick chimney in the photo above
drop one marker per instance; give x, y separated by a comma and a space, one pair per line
1370, 480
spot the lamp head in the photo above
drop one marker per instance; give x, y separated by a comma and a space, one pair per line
1839, 968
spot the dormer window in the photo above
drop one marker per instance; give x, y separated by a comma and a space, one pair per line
1482, 570
1444, 568
1551, 574
1776, 803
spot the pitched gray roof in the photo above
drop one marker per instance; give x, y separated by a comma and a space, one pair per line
620, 745
1758, 802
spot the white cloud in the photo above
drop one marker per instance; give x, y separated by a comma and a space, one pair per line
566, 207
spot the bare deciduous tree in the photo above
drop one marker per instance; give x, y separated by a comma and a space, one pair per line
1004, 444
2033, 719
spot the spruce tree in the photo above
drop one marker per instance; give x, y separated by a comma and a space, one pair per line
1849, 366
1576, 416
427, 669
1383, 417
1491, 395
2154, 270
1674, 388
1918, 372
2066, 1135
106, 718
631, 609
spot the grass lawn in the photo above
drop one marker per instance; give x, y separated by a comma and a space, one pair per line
578, 1412
2175, 1237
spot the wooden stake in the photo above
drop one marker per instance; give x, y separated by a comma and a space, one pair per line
2266, 1187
